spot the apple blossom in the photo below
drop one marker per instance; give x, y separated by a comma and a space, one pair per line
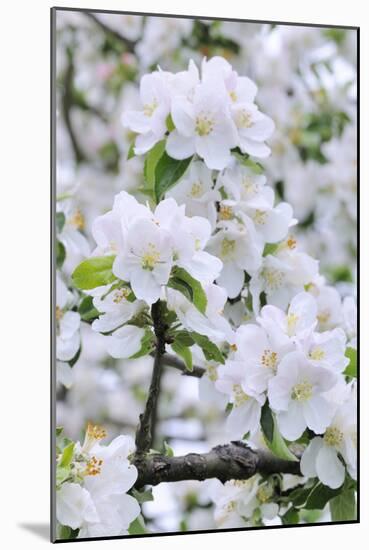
296, 393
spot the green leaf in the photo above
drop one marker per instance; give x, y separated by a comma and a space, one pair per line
59, 430
167, 172
168, 451
343, 506
131, 151
183, 352
351, 369
299, 496
74, 359
184, 338
191, 288
151, 160
210, 350
245, 160
142, 496
273, 438
67, 533
60, 221
320, 495
147, 345
60, 254
137, 527
61, 475
170, 124
87, 310
67, 456
93, 272
291, 517
270, 248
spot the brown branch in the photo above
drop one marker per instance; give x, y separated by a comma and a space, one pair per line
67, 103
173, 361
225, 462
128, 44
146, 428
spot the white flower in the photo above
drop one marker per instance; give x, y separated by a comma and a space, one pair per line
125, 341
212, 324
146, 261
109, 230
295, 325
150, 122
320, 458
296, 393
67, 324
189, 236
71, 236
241, 183
329, 308
327, 349
282, 275
259, 354
98, 505
116, 309
246, 411
253, 126
237, 500
195, 190
74, 506
237, 245
203, 126
350, 319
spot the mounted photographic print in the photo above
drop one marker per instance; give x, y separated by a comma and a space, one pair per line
204, 274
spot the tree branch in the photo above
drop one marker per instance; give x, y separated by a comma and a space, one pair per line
225, 462
146, 427
67, 103
173, 361
128, 44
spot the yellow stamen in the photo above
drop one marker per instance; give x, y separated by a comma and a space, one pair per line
120, 294
302, 391
225, 213
150, 258
269, 359
204, 125
333, 436
77, 220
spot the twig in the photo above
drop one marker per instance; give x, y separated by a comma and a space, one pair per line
67, 104
173, 361
128, 44
225, 462
146, 429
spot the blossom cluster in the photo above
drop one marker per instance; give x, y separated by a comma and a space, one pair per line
242, 255
92, 485
211, 115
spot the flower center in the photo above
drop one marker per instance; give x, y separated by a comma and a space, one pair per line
292, 319
94, 433
333, 436
150, 258
240, 397
260, 217
212, 372
227, 248
225, 213
196, 190
249, 186
120, 294
269, 359
273, 278
77, 220
58, 313
302, 391
323, 316
233, 96
264, 494
204, 125
244, 119
149, 108
317, 354
93, 467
